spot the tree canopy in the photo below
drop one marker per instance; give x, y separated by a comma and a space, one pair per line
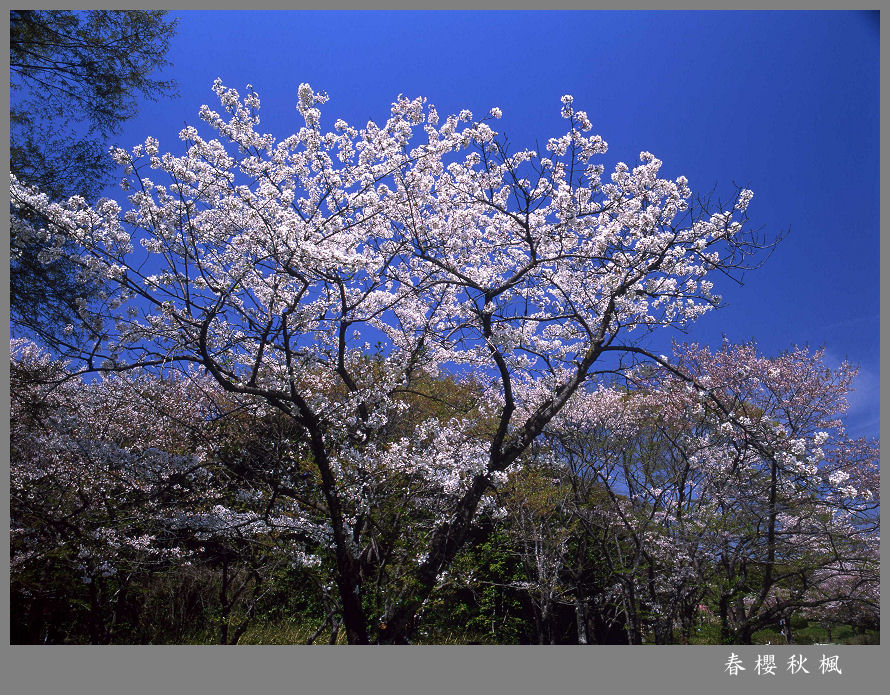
74, 78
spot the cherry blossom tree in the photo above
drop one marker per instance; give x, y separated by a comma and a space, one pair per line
94, 469
798, 495
113, 481
638, 501
539, 523
728, 476
847, 592
274, 265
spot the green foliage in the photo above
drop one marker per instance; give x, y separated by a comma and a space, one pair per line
812, 632
480, 605
88, 68
798, 622
74, 78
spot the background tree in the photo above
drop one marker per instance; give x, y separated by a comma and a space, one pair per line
119, 481
728, 477
786, 494
135, 496
632, 497
94, 470
540, 526
74, 78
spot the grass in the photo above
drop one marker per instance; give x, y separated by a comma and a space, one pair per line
293, 632
815, 633
286, 632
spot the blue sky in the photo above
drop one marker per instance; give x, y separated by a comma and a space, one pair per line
785, 103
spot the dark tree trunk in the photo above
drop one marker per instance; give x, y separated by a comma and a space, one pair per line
632, 617
687, 618
335, 629
664, 630
725, 633
348, 570
539, 625
607, 630
446, 542
786, 629
98, 633
353, 614
581, 616
745, 634
225, 607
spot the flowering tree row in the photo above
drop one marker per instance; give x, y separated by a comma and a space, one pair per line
638, 506
730, 478
116, 481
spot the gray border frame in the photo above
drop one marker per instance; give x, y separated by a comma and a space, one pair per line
441, 669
